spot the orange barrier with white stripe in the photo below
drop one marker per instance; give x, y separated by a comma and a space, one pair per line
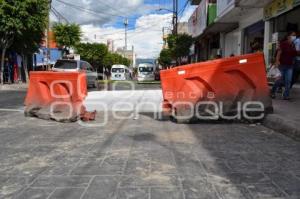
229, 81
56, 92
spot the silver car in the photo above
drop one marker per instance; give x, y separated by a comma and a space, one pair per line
65, 65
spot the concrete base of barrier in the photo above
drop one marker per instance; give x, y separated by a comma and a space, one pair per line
61, 115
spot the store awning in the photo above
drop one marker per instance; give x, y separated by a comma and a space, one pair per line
221, 27
216, 28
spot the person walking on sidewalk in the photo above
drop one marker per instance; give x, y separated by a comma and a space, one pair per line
285, 61
296, 72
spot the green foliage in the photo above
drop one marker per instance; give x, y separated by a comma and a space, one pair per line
179, 45
92, 53
114, 58
98, 55
67, 35
22, 23
165, 58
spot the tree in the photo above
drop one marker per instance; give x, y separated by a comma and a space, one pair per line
66, 35
98, 55
114, 58
92, 53
165, 58
179, 46
22, 24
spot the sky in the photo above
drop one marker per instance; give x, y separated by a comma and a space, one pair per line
101, 20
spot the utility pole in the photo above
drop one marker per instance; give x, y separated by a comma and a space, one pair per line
126, 26
48, 37
175, 17
164, 40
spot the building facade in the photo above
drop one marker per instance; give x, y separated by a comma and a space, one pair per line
235, 27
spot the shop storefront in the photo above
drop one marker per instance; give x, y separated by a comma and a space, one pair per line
280, 17
248, 35
254, 38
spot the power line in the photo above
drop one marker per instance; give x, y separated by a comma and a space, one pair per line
111, 7
184, 7
58, 15
141, 28
94, 12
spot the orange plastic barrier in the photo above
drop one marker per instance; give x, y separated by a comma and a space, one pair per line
229, 83
54, 93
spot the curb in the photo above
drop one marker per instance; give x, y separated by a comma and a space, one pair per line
283, 126
14, 87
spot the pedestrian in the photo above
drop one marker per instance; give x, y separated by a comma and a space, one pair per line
296, 71
284, 61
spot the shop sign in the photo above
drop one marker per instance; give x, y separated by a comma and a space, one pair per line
203, 15
278, 7
198, 21
192, 23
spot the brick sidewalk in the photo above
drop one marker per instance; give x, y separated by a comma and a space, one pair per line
286, 117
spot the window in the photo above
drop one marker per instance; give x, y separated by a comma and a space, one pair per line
83, 66
66, 64
117, 70
90, 67
146, 69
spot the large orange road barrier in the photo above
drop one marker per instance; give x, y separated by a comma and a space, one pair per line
57, 95
232, 88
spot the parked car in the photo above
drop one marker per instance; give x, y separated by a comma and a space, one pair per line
66, 65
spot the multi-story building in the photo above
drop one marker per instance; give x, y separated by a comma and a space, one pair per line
234, 27
110, 45
182, 28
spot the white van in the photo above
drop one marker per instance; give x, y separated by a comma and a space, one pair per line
146, 72
120, 72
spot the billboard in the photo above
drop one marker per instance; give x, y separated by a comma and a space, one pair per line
278, 7
198, 21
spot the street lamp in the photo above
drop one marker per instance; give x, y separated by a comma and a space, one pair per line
161, 9
175, 18
48, 38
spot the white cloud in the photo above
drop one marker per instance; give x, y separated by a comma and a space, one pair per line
146, 38
187, 13
100, 12
97, 18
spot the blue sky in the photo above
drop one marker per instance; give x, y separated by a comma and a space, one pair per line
164, 4
102, 20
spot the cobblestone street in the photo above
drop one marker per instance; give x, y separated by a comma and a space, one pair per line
145, 158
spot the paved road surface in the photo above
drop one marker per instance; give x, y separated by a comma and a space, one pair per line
143, 158
125, 100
